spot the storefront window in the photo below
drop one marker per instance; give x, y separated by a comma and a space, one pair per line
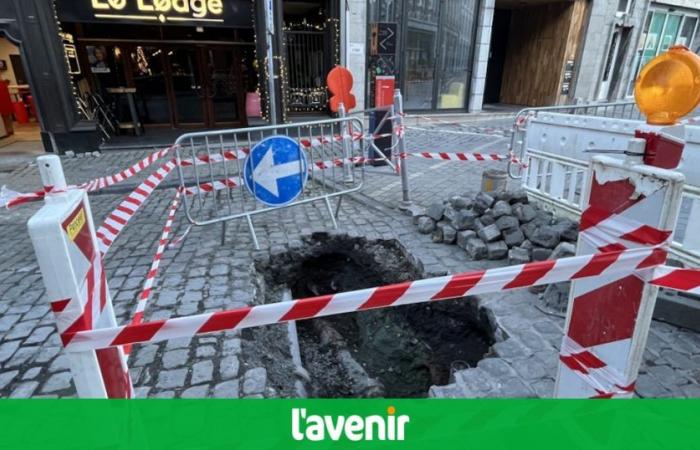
455, 62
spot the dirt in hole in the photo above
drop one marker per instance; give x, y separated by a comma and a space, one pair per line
394, 352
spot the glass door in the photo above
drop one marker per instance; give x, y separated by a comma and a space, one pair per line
149, 78
188, 90
223, 85
420, 53
454, 69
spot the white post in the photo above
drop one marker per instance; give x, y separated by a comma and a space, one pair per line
63, 236
346, 136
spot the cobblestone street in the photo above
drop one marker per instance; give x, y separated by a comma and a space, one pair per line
202, 275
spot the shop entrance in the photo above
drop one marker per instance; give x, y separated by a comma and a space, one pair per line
176, 85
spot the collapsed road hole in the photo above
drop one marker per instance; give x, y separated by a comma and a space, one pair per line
393, 352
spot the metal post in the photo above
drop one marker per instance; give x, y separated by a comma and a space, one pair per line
608, 317
63, 235
270, 31
346, 139
401, 145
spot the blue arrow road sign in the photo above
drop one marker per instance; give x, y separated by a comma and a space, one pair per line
276, 170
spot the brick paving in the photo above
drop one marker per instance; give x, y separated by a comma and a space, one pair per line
201, 275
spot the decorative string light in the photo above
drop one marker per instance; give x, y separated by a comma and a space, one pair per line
74, 89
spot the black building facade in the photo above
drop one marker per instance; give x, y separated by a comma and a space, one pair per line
184, 63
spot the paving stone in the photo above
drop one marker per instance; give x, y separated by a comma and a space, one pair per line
545, 236
486, 219
529, 368
496, 367
540, 254
510, 348
464, 236
518, 256
7, 321
482, 202
496, 250
489, 233
164, 394
7, 349
229, 367
227, 389
543, 388
22, 356
677, 360
255, 381
58, 382
31, 373
435, 211
46, 354
21, 329
514, 388
447, 391
144, 355
169, 379
175, 358
202, 372
502, 208
196, 392
426, 225
476, 249
39, 335
476, 381
509, 224
465, 220
524, 213
232, 346
7, 377
648, 387
691, 390
206, 351
24, 390
449, 234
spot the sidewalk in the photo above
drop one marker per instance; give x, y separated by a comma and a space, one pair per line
201, 275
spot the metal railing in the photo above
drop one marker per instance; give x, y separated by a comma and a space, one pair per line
618, 110
211, 169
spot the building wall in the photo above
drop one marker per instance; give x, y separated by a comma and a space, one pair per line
601, 25
7, 48
355, 48
481, 55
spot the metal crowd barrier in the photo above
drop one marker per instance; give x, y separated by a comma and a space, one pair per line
212, 163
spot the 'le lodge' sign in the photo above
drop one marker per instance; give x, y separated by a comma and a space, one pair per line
234, 13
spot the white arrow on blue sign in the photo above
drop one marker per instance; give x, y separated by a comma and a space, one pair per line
276, 170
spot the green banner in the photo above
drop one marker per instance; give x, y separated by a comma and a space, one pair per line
320, 424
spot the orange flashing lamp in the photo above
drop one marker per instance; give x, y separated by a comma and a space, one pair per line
668, 87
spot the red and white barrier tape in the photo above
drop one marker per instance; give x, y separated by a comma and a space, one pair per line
605, 380
205, 188
460, 156
117, 219
103, 182
440, 288
155, 264
684, 280
10, 199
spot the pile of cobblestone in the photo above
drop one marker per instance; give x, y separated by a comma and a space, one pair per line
498, 225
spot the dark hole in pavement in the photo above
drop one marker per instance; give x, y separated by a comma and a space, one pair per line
394, 352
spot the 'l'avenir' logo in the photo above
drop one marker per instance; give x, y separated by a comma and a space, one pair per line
312, 427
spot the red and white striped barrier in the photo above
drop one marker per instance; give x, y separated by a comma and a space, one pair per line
155, 264
63, 236
608, 317
614, 263
117, 219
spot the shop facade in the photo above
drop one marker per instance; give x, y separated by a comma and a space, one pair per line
169, 64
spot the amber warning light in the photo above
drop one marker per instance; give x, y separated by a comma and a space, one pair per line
668, 87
